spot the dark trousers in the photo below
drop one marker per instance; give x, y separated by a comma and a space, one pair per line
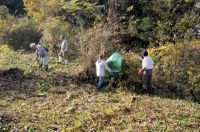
147, 79
100, 84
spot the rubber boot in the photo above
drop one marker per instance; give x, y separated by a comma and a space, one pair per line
60, 59
46, 67
40, 66
65, 61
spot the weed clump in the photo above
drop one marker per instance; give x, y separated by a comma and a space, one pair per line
177, 68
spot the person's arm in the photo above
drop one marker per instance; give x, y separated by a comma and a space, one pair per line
42, 52
140, 57
107, 68
143, 65
36, 56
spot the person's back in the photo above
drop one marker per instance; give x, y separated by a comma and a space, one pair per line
147, 62
64, 45
101, 66
41, 51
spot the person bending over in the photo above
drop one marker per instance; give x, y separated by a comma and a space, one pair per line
41, 55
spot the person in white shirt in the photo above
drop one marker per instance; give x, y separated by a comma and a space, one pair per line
63, 50
41, 55
147, 67
101, 67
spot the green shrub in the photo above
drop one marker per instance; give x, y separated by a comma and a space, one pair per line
131, 64
5, 21
178, 66
21, 33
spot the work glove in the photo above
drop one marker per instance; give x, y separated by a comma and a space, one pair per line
111, 73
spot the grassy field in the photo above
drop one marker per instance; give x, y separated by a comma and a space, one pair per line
34, 100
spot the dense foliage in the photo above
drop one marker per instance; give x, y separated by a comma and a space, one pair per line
140, 21
146, 21
177, 67
41, 10
21, 33
18, 33
16, 7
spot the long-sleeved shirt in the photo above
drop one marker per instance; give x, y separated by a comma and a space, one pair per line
41, 51
101, 66
147, 63
64, 45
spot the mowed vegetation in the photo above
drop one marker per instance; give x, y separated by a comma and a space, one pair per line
34, 100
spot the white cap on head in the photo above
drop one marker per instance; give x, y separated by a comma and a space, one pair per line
32, 44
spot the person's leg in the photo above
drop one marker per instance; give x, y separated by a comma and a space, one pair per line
40, 66
100, 84
46, 62
150, 80
145, 79
65, 57
61, 56
46, 68
40, 62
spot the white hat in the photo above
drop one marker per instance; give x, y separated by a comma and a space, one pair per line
32, 44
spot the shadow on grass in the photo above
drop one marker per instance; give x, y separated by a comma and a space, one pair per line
61, 79
14, 80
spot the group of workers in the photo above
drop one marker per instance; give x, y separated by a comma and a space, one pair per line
101, 66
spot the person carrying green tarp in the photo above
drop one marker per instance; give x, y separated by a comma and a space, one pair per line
115, 63
101, 67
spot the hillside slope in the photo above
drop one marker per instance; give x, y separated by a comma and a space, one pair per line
53, 101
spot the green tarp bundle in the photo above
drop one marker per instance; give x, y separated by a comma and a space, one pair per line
115, 62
